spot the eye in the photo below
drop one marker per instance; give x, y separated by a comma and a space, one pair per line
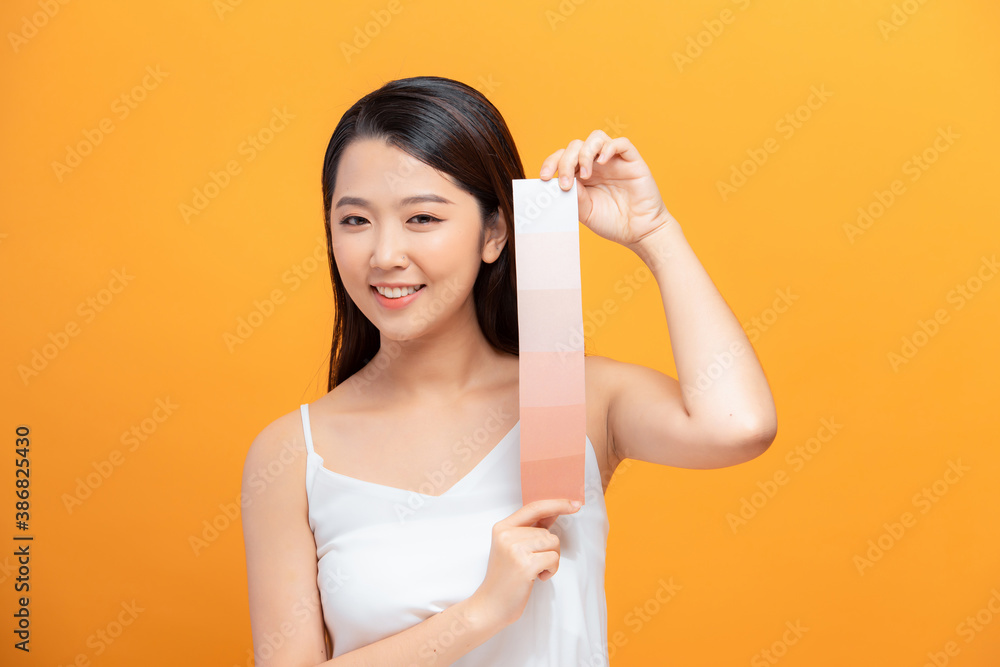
428, 218
345, 221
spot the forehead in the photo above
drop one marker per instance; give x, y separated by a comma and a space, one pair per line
372, 165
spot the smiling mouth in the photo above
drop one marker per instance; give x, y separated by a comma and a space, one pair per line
397, 292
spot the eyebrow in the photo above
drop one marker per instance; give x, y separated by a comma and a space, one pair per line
415, 199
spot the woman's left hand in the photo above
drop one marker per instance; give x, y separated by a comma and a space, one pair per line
616, 193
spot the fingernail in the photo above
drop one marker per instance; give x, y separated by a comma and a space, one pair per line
575, 503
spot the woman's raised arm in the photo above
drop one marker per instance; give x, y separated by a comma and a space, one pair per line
720, 410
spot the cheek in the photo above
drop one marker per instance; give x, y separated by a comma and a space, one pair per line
353, 269
453, 253
349, 255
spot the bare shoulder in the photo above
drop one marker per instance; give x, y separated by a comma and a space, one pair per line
612, 371
278, 448
280, 547
604, 376
281, 444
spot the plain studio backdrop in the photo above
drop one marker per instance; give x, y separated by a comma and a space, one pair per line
166, 295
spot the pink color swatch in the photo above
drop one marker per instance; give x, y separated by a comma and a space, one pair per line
550, 326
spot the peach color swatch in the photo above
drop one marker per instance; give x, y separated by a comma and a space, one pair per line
550, 327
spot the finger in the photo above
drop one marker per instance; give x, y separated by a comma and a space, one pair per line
619, 146
607, 152
546, 554
591, 148
543, 540
547, 564
549, 165
584, 204
529, 514
548, 521
567, 164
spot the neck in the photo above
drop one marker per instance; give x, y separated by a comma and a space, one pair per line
436, 368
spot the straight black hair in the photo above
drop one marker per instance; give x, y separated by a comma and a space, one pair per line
453, 128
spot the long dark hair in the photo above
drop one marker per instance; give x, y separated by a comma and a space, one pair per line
453, 128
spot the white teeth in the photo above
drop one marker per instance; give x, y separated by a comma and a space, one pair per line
396, 292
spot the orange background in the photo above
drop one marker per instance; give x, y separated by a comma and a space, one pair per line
556, 71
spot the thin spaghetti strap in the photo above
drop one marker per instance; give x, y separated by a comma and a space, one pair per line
306, 429
313, 461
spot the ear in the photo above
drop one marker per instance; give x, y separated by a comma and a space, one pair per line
496, 239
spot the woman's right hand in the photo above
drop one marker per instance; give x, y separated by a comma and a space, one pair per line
521, 552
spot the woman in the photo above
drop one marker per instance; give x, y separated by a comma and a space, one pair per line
399, 537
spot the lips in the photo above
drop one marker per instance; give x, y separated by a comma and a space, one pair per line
391, 290
395, 303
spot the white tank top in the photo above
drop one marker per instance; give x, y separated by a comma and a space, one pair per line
390, 558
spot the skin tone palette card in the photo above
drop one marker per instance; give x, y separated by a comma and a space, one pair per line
550, 326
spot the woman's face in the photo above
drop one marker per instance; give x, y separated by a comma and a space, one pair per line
397, 223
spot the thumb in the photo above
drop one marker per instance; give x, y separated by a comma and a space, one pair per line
583, 201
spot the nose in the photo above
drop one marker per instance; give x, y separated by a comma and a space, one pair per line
390, 250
